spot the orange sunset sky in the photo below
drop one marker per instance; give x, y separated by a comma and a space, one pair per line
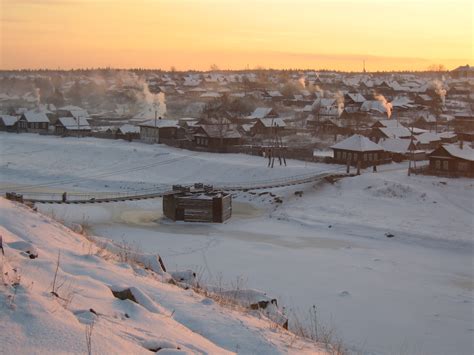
236, 34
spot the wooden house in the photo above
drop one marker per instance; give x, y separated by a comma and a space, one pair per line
268, 126
157, 130
31, 121
427, 141
378, 133
217, 137
8, 123
197, 204
128, 132
358, 149
452, 160
71, 126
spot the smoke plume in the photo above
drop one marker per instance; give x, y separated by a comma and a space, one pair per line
440, 91
387, 105
302, 81
340, 102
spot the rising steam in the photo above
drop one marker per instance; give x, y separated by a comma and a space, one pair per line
440, 91
387, 105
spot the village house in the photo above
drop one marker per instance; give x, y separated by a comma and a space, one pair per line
71, 126
217, 137
128, 132
452, 160
36, 122
262, 112
8, 123
427, 141
401, 149
358, 149
268, 126
464, 71
354, 99
157, 130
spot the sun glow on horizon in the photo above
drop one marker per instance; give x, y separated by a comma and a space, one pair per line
191, 34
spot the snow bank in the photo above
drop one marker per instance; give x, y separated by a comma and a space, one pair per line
164, 317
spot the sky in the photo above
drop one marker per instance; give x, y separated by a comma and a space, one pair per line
236, 34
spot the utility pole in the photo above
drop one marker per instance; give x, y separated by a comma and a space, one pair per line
154, 133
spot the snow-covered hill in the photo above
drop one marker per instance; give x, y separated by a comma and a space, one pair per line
164, 316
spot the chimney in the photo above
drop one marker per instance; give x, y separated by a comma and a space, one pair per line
461, 144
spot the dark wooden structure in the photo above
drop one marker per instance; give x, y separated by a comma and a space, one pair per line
199, 203
452, 160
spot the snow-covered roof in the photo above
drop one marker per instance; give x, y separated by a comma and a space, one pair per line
159, 123
428, 137
274, 93
261, 112
74, 124
216, 131
32, 116
356, 97
273, 122
8, 120
390, 123
466, 153
395, 132
395, 145
129, 128
373, 105
357, 143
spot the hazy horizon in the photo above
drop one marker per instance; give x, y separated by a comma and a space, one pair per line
234, 35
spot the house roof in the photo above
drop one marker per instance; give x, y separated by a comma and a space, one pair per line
32, 116
274, 93
8, 120
220, 131
357, 143
128, 128
74, 124
159, 123
428, 137
261, 112
395, 145
466, 153
356, 97
395, 132
272, 122
373, 105
389, 123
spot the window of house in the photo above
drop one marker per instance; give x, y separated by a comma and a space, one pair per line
438, 164
375, 156
349, 156
343, 155
445, 165
365, 157
370, 156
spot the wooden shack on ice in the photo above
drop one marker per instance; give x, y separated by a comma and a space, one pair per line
199, 203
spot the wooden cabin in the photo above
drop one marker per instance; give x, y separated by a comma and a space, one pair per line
71, 126
199, 203
8, 123
36, 122
452, 160
217, 137
157, 130
268, 126
358, 149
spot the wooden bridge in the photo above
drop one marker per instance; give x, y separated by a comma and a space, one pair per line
109, 197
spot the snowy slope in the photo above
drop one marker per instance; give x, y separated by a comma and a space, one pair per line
32, 320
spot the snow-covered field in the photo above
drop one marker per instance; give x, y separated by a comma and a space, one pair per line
412, 293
